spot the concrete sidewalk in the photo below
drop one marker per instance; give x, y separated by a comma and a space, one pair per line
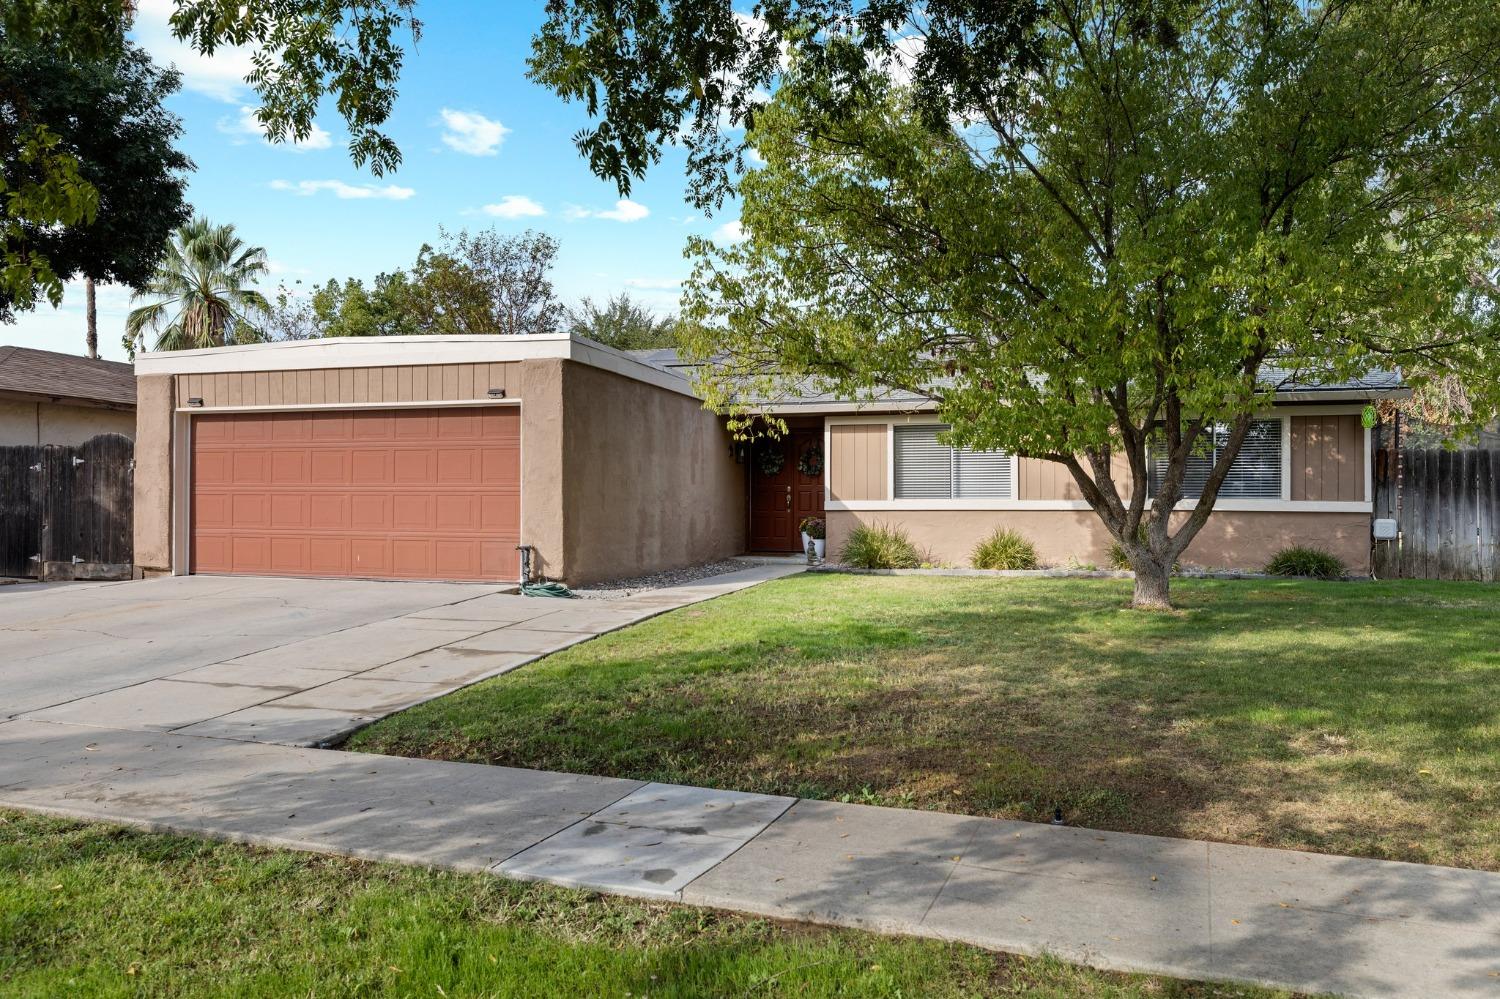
1189, 909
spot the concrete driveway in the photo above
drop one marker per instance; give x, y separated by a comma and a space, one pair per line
292, 661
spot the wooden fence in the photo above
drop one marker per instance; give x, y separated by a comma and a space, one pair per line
1446, 505
66, 512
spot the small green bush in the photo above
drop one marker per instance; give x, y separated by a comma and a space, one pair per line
879, 546
1004, 549
1301, 560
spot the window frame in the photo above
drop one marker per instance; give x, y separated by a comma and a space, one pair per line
1284, 467
1009, 460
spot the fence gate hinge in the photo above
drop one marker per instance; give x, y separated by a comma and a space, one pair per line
35, 558
77, 461
37, 467
76, 560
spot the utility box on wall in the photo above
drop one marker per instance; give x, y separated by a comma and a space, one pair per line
1384, 529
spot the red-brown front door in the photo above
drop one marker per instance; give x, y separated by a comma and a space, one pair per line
780, 501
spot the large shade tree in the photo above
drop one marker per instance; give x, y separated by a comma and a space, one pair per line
202, 293
110, 116
1101, 243
303, 51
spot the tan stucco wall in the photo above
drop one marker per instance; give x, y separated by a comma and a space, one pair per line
53, 423
649, 480
542, 464
153, 473
1230, 540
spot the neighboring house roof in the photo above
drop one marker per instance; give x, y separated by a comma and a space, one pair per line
45, 374
1290, 384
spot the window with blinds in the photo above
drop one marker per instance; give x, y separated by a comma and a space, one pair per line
1255, 474
926, 469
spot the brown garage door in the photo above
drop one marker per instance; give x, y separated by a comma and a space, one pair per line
379, 494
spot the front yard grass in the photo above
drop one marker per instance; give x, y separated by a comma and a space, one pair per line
93, 910
1355, 718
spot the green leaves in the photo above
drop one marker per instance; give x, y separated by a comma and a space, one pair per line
41, 187
349, 50
1128, 235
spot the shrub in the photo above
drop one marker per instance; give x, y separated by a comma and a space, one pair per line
1300, 560
1004, 549
814, 527
879, 546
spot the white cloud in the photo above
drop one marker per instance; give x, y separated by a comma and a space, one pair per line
390, 192
514, 206
221, 76
624, 210
472, 133
245, 125
731, 232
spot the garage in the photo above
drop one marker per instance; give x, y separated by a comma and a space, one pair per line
428, 457
401, 493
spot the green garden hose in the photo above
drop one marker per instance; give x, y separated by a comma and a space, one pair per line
545, 590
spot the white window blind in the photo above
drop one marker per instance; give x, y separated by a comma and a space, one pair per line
926, 469
1255, 474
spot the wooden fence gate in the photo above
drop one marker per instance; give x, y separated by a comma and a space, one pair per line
1446, 505
65, 512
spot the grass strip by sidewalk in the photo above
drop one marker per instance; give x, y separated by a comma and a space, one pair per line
95, 910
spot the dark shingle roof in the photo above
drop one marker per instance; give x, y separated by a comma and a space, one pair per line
65, 376
1286, 381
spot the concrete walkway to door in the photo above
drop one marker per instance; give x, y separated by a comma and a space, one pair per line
1191, 909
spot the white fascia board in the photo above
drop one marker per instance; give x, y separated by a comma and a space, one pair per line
352, 352
390, 351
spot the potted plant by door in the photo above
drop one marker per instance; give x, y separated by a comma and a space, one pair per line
814, 538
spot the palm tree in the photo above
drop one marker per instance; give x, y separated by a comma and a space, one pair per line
202, 292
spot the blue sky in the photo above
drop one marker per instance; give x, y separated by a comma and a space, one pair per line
482, 146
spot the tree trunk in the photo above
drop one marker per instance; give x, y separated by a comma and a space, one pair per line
91, 316
1152, 581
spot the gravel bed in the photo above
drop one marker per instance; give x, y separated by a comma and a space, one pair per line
655, 581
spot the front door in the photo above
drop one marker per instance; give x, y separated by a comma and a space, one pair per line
781, 495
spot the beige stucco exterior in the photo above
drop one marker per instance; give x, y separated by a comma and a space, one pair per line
153, 474
34, 422
1230, 539
1325, 503
649, 479
623, 472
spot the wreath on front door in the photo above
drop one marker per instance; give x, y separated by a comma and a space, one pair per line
771, 460
811, 462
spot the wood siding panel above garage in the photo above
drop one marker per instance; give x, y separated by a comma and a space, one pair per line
1328, 458
857, 461
351, 386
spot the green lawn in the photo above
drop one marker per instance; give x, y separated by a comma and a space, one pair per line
1354, 718
91, 910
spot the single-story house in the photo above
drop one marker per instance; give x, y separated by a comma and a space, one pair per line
52, 398
436, 457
